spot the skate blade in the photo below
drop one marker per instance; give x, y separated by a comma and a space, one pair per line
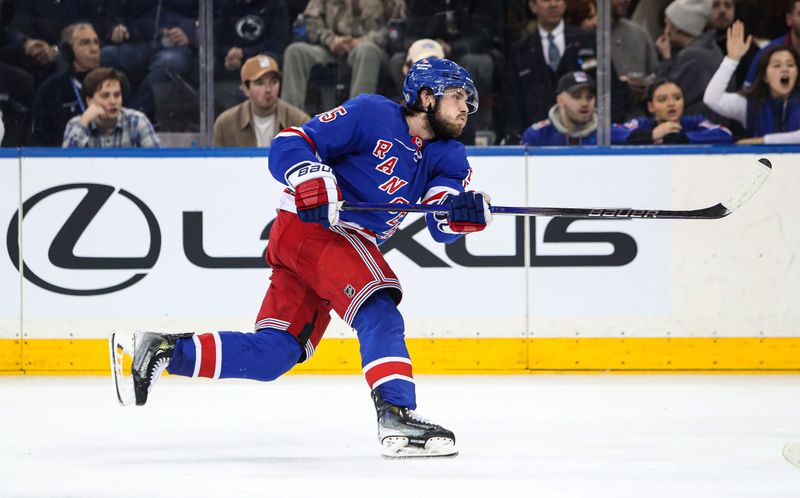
398, 447
121, 346
791, 452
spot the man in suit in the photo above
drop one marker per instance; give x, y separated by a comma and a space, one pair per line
539, 60
254, 122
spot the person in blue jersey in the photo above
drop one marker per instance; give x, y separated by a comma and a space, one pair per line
368, 149
769, 109
572, 120
668, 124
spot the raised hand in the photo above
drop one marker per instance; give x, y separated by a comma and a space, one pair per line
737, 45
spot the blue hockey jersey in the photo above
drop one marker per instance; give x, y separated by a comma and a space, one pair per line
697, 129
546, 133
367, 143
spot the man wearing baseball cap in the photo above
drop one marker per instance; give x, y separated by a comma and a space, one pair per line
254, 122
573, 120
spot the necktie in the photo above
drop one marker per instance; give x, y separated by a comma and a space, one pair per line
552, 52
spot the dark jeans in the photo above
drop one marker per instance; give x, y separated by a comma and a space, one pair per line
151, 67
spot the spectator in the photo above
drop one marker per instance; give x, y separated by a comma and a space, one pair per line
16, 98
105, 123
769, 109
254, 122
245, 28
39, 24
58, 99
153, 42
351, 30
420, 49
633, 54
581, 14
573, 120
668, 124
466, 30
723, 13
790, 39
697, 52
16, 84
538, 61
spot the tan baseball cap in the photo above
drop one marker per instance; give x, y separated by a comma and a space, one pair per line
259, 65
424, 47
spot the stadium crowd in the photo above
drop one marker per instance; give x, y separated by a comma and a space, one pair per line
124, 73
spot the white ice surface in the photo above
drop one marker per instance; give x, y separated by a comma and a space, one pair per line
550, 436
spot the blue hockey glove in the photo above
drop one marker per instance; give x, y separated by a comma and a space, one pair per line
468, 212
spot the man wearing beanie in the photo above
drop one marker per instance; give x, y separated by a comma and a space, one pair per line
688, 50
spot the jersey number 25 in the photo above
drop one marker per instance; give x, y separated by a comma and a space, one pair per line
329, 116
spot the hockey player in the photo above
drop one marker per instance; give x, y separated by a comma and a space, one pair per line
368, 149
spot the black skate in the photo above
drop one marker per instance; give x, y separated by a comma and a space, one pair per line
403, 434
150, 353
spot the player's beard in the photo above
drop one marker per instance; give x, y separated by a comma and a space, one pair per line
441, 128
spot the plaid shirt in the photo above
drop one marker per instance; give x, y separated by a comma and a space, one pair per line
133, 129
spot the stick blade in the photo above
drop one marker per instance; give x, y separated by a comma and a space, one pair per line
791, 452
739, 199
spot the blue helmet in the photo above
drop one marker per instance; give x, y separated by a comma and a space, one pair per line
438, 74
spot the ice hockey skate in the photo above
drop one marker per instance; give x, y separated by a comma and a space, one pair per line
404, 434
150, 353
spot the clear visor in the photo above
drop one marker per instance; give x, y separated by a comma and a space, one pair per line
464, 93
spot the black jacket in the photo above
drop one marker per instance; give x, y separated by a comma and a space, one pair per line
532, 84
44, 19
257, 27
57, 102
145, 18
471, 28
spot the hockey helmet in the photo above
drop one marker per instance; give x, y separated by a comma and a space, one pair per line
438, 74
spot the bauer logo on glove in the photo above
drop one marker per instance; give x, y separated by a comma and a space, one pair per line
316, 193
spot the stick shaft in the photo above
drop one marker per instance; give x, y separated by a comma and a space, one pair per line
713, 212
716, 211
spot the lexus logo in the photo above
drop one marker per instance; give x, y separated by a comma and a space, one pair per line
62, 249
44, 266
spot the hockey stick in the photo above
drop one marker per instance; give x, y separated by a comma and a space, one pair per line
719, 210
791, 452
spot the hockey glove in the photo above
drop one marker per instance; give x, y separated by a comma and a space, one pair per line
468, 212
316, 195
